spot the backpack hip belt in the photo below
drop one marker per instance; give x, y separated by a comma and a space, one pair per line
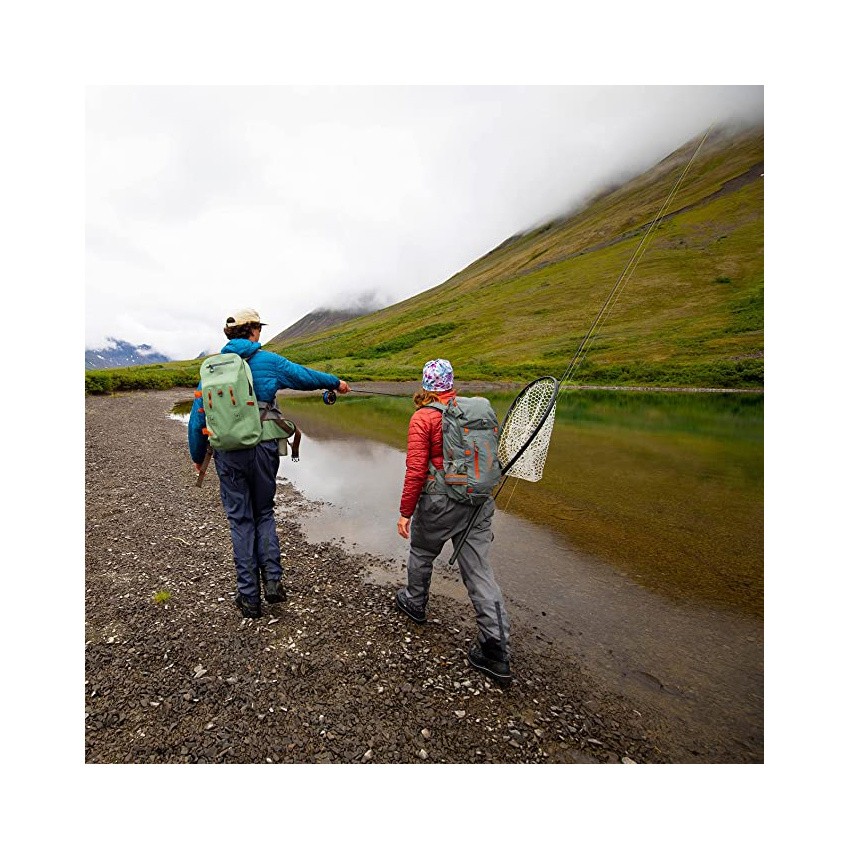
275, 427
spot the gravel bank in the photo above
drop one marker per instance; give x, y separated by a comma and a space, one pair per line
333, 675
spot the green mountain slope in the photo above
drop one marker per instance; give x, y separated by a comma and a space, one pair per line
692, 312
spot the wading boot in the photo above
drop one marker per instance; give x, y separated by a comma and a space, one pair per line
274, 591
491, 660
247, 607
415, 614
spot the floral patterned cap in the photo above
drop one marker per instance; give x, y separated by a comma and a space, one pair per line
438, 376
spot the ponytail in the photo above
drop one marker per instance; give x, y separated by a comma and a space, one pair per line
423, 397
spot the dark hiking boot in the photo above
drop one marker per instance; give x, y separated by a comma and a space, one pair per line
248, 608
492, 661
274, 591
415, 614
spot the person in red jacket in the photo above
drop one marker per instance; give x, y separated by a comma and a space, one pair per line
436, 518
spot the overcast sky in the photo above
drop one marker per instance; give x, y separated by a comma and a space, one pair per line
203, 200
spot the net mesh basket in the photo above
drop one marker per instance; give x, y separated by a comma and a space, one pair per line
526, 413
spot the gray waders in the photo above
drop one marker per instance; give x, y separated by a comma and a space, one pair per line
437, 519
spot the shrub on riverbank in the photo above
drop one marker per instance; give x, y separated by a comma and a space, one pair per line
103, 381
727, 374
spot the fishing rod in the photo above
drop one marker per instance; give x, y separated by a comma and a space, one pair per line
329, 396
529, 421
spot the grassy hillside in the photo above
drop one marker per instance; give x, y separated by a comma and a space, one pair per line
692, 314
694, 303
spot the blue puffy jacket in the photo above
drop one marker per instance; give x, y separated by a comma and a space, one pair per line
271, 373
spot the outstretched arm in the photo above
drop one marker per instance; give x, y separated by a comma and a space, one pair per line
295, 377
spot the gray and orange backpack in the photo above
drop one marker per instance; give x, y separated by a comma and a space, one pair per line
471, 468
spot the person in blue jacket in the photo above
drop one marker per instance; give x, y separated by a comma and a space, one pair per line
248, 477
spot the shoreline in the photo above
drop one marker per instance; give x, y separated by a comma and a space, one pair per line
335, 674
410, 387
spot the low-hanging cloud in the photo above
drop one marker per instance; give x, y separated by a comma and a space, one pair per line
202, 200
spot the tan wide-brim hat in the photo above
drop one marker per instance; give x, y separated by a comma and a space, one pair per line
243, 317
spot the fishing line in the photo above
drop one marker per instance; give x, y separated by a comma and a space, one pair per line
626, 274
511, 494
537, 423
375, 392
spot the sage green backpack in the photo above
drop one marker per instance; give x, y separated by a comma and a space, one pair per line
471, 468
232, 412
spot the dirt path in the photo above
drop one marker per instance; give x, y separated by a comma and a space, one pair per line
333, 675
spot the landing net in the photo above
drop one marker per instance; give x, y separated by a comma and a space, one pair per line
527, 430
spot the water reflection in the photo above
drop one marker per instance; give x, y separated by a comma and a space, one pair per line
357, 482
666, 487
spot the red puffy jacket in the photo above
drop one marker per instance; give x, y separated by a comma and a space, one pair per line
424, 443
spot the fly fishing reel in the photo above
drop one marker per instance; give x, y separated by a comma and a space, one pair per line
329, 397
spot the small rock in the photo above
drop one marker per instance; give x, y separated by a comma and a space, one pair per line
460, 714
627, 760
423, 754
426, 734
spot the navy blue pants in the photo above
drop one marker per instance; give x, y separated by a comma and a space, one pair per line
247, 479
